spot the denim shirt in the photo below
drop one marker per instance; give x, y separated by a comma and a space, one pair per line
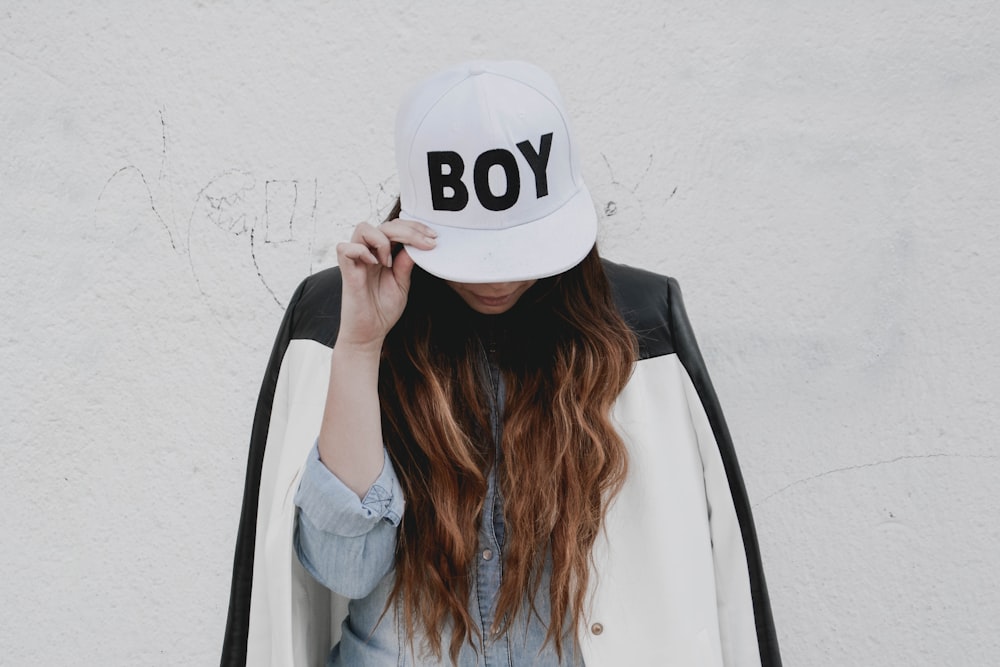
348, 545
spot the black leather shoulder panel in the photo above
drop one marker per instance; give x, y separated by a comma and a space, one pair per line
643, 299
316, 313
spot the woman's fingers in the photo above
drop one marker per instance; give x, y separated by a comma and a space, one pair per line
375, 240
402, 269
358, 252
376, 285
379, 240
410, 232
374, 246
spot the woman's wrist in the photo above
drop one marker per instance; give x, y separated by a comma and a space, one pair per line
371, 349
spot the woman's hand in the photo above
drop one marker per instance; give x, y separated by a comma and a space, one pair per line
376, 284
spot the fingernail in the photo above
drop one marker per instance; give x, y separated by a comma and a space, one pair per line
431, 240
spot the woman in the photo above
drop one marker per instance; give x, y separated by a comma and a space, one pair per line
520, 457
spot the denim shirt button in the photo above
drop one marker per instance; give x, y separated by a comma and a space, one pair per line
597, 628
487, 555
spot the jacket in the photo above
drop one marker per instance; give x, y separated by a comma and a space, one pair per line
682, 586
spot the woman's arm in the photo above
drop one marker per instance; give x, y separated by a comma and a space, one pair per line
350, 438
375, 288
349, 499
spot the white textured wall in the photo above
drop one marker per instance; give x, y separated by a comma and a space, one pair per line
821, 177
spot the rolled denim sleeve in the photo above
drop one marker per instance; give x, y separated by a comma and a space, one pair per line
347, 543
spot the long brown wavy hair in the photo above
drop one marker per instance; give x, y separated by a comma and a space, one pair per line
565, 355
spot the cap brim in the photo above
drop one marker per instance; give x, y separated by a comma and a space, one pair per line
538, 249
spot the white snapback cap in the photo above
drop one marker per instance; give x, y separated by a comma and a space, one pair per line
486, 158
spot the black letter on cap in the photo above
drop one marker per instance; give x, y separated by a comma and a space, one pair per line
481, 177
440, 180
538, 162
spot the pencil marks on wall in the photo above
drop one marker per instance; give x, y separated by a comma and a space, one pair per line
114, 185
619, 200
246, 238
288, 220
225, 201
246, 235
163, 144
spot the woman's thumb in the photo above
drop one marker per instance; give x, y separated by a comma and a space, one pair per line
402, 268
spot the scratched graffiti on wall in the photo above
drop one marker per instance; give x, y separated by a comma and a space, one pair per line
247, 239
273, 221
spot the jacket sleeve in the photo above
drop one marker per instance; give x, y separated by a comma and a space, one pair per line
734, 539
234, 647
279, 616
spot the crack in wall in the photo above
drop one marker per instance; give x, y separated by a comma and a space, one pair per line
872, 464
